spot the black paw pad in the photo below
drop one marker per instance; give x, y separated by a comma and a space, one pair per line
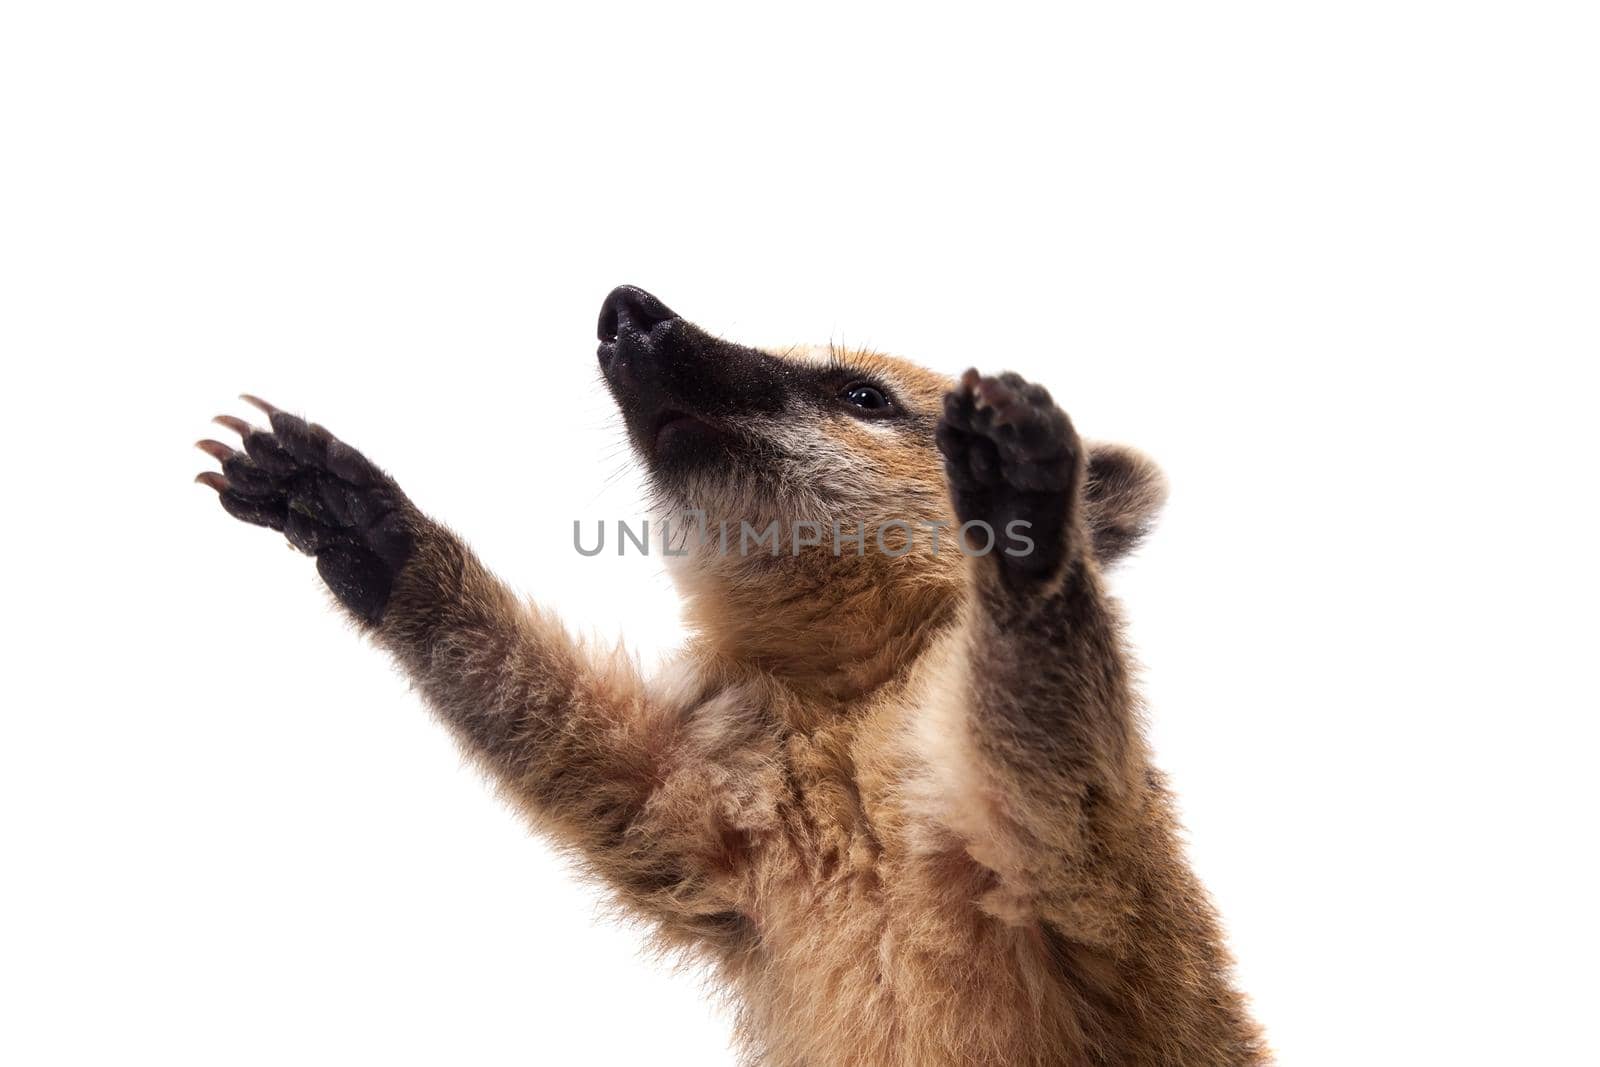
1012, 456
326, 498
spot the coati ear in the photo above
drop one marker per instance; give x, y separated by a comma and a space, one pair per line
1122, 494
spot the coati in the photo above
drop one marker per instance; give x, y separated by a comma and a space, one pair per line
900, 801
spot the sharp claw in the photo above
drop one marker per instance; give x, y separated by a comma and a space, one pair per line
213, 479
215, 449
257, 402
238, 426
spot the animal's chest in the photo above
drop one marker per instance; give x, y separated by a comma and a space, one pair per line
866, 929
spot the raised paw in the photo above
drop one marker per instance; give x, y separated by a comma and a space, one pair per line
1012, 456
326, 498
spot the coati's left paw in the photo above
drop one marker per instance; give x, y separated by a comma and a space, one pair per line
326, 498
1012, 456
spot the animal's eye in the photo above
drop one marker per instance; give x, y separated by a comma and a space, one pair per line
867, 397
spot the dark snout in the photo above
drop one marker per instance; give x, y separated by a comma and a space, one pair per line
676, 384
628, 323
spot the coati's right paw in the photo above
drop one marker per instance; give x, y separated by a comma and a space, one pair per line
329, 500
1012, 456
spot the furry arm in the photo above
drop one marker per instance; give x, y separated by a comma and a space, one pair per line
1039, 732
571, 738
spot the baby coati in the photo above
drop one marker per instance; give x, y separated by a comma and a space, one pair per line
899, 800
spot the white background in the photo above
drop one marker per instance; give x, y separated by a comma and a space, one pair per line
1336, 267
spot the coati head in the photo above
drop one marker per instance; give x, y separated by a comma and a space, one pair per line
819, 436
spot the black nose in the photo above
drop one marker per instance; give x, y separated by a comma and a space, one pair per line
629, 309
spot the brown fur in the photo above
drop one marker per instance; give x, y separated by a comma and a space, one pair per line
907, 814
901, 803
